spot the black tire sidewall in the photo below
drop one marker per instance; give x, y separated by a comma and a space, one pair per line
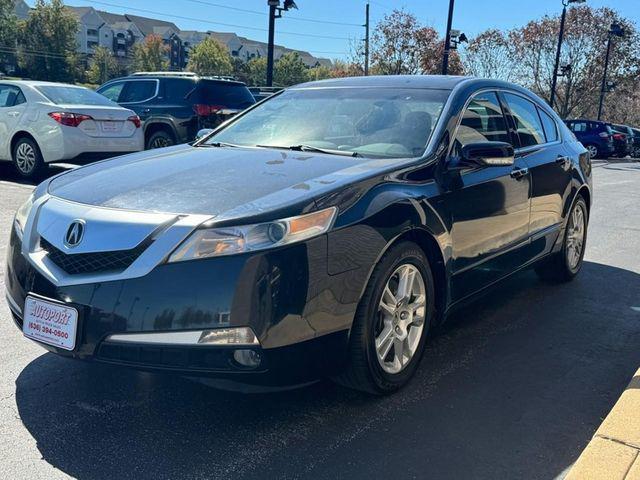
403, 253
39, 165
163, 134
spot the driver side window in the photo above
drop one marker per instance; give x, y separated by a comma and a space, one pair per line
482, 121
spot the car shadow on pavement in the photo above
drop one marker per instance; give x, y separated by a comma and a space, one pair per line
8, 173
512, 387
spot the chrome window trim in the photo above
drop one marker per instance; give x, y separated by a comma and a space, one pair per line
153, 256
518, 150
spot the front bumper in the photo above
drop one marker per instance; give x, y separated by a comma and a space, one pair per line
299, 313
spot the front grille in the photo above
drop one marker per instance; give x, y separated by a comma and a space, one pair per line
98, 262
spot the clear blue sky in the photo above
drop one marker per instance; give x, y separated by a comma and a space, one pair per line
471, 16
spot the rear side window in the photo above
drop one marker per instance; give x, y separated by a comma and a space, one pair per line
10, 96
138, 91
528, 123
177, 89
550, 127
482, 121
61, 95
229, 95
578, 126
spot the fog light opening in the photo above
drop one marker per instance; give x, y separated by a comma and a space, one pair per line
247, 358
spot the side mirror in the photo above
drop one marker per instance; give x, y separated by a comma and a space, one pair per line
488, 154
203, 132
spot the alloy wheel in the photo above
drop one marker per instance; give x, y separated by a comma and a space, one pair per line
160, 142
575, 237
25, 158
593, 151
401, 317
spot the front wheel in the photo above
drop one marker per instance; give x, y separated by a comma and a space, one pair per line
593, 151
391, 322
565, 264
27, 159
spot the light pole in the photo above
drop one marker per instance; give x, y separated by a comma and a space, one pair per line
614, 31
447, 40
275, 11
554, 80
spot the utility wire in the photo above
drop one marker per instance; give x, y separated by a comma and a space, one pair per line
256, 12
152, 12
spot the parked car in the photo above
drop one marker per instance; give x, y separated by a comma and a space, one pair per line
636, 143
597, 137
174, 106
260, 93
43, 122
323, 232
631, 143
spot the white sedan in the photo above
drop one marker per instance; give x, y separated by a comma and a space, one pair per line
43, 122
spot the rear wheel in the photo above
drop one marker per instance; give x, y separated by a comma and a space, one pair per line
27, 159
160, 139
392, 321
593, 151
565, 264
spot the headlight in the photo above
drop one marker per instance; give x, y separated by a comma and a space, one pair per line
23, 213
214, 242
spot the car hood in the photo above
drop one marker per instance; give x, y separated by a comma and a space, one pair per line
217, 181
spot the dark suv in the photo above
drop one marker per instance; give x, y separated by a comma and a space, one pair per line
174, 106
632, 139
597, 137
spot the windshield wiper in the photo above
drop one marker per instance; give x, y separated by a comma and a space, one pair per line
219, 144
311, 148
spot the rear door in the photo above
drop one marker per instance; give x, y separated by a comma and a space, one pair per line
12, 108
489, 206
140, 95
549, 162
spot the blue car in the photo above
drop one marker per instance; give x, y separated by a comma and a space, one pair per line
597, 137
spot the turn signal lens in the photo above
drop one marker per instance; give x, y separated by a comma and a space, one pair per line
214, 242
23, 213
69, 119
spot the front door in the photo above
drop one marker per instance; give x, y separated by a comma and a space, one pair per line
488, 206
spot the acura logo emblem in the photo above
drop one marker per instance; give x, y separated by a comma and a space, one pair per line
74, 234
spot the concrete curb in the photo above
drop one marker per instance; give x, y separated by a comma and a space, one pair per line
614, 451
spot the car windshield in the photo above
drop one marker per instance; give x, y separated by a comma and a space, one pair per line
378, 122
61, 95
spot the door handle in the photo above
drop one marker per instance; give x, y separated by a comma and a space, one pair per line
146, 110
13, 114
562, 160
518, 173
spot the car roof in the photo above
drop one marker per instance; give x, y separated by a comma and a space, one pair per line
36, 83
444, 82
177, 76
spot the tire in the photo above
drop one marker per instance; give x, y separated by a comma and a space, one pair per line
365, 370
27, 159
594, 151
160, 139
564, 265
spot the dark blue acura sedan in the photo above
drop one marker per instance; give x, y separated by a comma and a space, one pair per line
322, 232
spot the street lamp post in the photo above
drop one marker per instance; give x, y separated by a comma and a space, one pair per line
615, 31
275, 11
447, 40
554, 80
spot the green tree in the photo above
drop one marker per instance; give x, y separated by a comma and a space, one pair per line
210, 57
48, 43
8, 32
319, 73
289, 70
103, 66
150, 55
257, 71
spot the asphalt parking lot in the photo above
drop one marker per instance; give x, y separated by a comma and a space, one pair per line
512, 387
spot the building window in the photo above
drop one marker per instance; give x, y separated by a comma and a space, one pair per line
92, 32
